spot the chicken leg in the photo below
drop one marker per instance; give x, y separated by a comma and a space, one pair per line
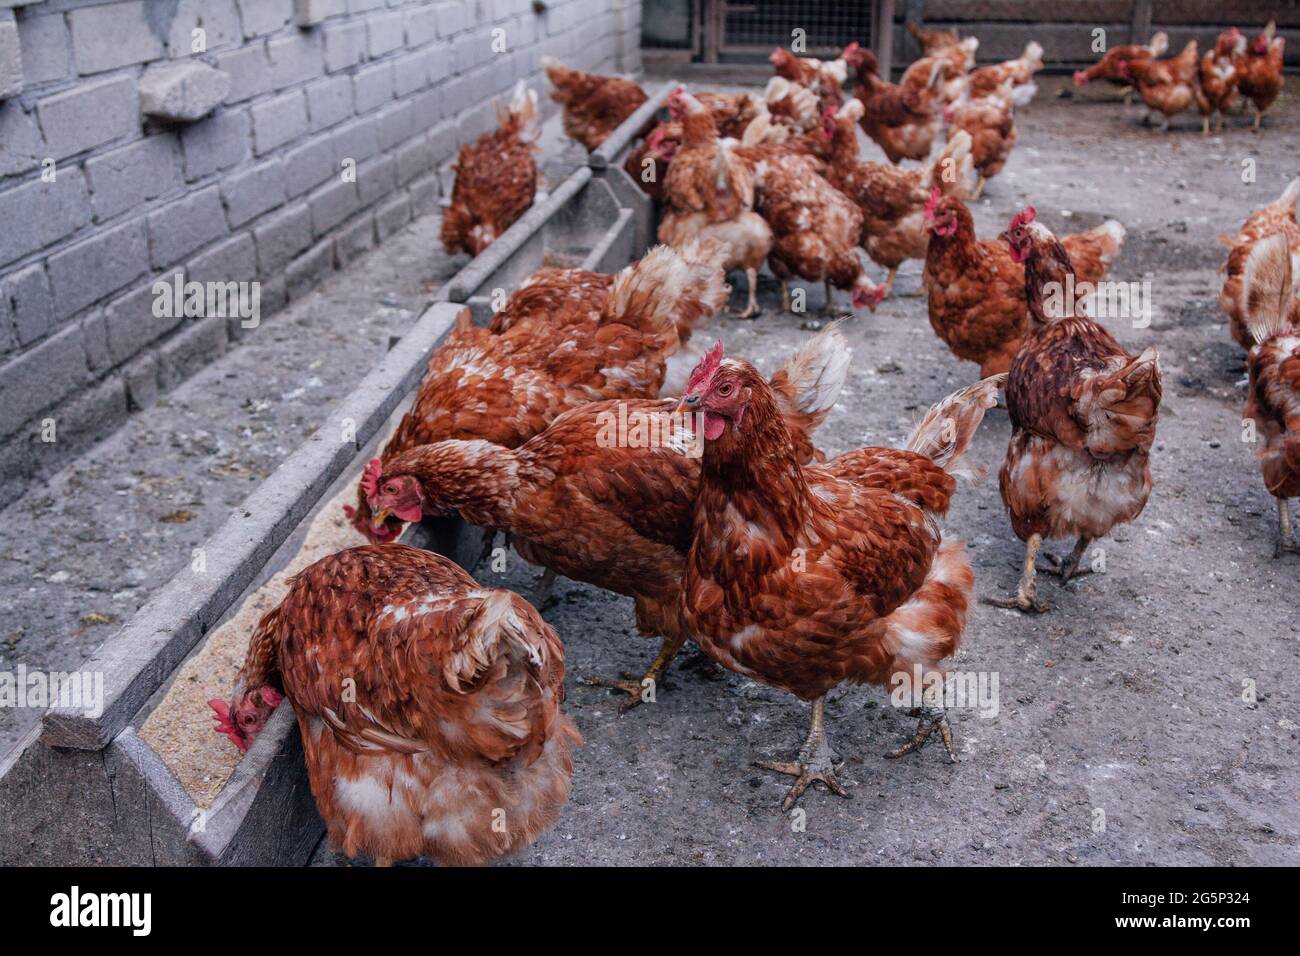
979, 188
817, 761
889, 279
1068, 568
1025, 599
751, 307
635, 687
1285, 539
932, 718
829, 309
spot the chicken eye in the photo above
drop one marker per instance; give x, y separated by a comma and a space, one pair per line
724, 388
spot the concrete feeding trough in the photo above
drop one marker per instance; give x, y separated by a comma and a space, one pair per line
145, 781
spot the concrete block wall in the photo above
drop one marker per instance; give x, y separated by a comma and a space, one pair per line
98, 202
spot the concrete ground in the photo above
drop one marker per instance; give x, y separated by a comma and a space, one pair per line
1123, 706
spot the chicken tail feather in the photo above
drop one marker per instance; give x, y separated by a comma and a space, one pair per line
953, 172
809, 383
1266, 286
667, 292
945, 432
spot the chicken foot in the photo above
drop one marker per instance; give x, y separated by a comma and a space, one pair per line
635, 687
1025, 599
542, 597
932, 718
1067, 568
817, 761
1285, 538
751, 308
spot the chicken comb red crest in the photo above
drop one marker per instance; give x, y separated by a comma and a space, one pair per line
1023, 217
932, 203
370, 478
704, 371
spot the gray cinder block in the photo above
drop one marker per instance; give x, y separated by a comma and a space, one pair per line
372, 86
46, 56
48, 211
218, 142
249, 193
21, 146
329, 101
42, 376
278, 121
308, 13
282, 236
345, 45
133, 174
182, 92
32, 302
331, 204
89, 115
261, 17
11, 60
181, 227
96, 267
107, 37
250, 72
295, 58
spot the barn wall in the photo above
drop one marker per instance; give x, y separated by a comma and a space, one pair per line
99, 201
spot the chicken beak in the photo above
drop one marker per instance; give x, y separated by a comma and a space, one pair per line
379, 520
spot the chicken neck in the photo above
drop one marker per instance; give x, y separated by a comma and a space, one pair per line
476, 479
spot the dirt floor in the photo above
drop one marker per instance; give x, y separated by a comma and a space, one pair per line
1121, 737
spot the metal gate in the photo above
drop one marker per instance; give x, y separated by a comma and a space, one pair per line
741, 28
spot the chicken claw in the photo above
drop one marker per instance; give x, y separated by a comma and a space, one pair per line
1285, 539
817, 761
751, 307
1025, 599
932, 718
635, 687
1068, 568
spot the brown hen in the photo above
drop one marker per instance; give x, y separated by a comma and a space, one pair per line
566, 337
805, 577
496, 179
429, 707
976, 289
604, 494
594, 106
1083, 419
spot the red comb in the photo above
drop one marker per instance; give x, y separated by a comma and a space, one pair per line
704, 371
1026, 215
932, 203
370, 477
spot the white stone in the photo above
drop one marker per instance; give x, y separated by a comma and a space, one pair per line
182, 92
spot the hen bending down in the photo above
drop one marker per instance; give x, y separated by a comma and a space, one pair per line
805, 577
566, 337
1083, 419
496, 179
1118, 63
605, 494
594, 106
429, 707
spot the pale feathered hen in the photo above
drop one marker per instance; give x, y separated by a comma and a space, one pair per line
429, 707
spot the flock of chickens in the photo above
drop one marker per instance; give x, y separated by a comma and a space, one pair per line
1211, 82
430, 706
